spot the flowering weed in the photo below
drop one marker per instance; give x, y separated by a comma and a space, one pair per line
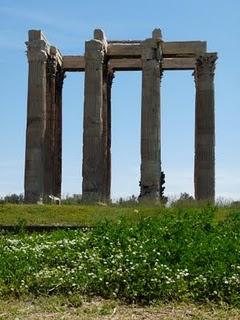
184, 254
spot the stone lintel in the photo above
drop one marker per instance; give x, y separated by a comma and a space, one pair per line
124, 50
73, 63
178, 63
167, 64
172, 49
184, 48
77, 63
124, 41
125, 64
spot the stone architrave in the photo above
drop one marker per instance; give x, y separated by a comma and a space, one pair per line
150, 120
37, 53
93, 140
204, 170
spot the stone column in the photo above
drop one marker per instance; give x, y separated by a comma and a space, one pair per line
204, 170
50, 123
58, 133
37, 52
93, 142
54, 126
107, 87
150, 118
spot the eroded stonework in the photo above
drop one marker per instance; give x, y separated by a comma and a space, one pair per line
153, 56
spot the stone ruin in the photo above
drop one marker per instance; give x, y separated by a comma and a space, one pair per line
47, 66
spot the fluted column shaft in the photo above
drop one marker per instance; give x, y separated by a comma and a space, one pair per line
93, 145
57, 183
204, 167
53, 137
107, 87
150, 121
36, 118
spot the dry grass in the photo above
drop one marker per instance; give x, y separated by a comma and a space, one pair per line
77, 308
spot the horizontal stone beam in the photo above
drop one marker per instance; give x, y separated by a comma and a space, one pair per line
167, 64
77, 63
124, 49
124, 41
73, 63
183, 48
178, 63
125, 64
173, 49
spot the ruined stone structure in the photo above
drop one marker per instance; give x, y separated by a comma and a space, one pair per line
102, 58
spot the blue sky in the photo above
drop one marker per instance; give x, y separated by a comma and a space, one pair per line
67, 24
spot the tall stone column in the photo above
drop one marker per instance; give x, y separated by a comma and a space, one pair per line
53, 141
107, 88
50, 124
93, 142
204, 170
60, 76
150, 120
37, 52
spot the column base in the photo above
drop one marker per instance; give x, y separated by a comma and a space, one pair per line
31, 197
149, 193
92, 197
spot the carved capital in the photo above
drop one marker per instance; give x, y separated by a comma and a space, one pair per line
95, 50
52, 66
37, 50
151, 50
205, 65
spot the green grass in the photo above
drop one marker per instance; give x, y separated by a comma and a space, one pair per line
88, 215
178, 255
72, 214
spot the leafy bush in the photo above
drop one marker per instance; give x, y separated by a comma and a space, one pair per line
13, 198
183, 255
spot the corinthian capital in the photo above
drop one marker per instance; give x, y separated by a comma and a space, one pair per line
205, 65
95, 50
37, 50
52, 66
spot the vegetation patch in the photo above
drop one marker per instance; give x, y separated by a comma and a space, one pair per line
90, 215
78, 307
180, 255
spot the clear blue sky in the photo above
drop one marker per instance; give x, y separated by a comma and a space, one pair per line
67, 24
